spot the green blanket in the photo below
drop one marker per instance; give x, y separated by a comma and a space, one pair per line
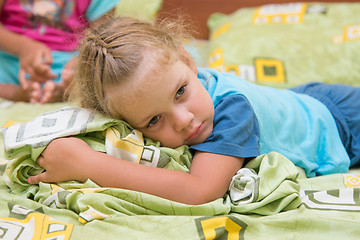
24, 142
273, 199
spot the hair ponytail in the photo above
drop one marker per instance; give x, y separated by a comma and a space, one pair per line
112, 52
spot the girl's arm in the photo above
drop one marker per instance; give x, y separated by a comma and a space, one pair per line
54, 92
72, 159
34, 57
14, 92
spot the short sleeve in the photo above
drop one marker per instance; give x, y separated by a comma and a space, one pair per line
236, 129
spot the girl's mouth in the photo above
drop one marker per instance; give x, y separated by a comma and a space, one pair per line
195, 132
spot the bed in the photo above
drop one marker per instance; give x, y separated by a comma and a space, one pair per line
277, 45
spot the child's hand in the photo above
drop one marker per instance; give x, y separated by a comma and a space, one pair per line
15, 92
67, 73
49, 92
52, 91
35, 60
62, 160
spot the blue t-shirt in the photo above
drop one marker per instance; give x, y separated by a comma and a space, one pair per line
267, 119
236, 129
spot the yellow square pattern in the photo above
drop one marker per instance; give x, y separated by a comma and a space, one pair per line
352, 32
352, 180
270, 70
280, 13
234, 69
216, 58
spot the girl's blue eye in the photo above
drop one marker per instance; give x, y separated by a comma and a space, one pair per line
181, 91
154, 121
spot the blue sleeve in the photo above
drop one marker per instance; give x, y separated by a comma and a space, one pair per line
99, 8
236, 129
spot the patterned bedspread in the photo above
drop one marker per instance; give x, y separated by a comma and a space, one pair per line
268, 199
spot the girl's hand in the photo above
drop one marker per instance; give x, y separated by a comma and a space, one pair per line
35, 63
14, 92
67, 73
49, 92
63, 161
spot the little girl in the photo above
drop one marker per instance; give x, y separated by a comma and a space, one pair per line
139, 72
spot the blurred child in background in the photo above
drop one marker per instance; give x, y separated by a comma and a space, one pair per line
38, 45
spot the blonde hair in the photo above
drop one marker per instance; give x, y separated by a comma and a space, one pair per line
112, 52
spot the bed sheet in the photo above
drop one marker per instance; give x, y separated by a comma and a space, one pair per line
287, 206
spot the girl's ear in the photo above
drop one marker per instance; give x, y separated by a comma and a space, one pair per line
188, 60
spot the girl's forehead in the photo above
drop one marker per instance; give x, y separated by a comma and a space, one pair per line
152, 68
139, 86
148, 80
149, 97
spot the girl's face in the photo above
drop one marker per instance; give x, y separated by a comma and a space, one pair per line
168, 104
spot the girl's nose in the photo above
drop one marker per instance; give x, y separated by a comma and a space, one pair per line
182, 119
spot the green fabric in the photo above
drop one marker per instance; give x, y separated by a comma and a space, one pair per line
322, 46
278, 193
74, 210
23, 112
144, 9
22, 164
295, 224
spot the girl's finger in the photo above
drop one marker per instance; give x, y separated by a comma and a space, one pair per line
24, 76
23, 79
38, 178
46, 57
41, 161
36, 92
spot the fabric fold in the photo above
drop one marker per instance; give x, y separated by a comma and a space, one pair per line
267, 184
